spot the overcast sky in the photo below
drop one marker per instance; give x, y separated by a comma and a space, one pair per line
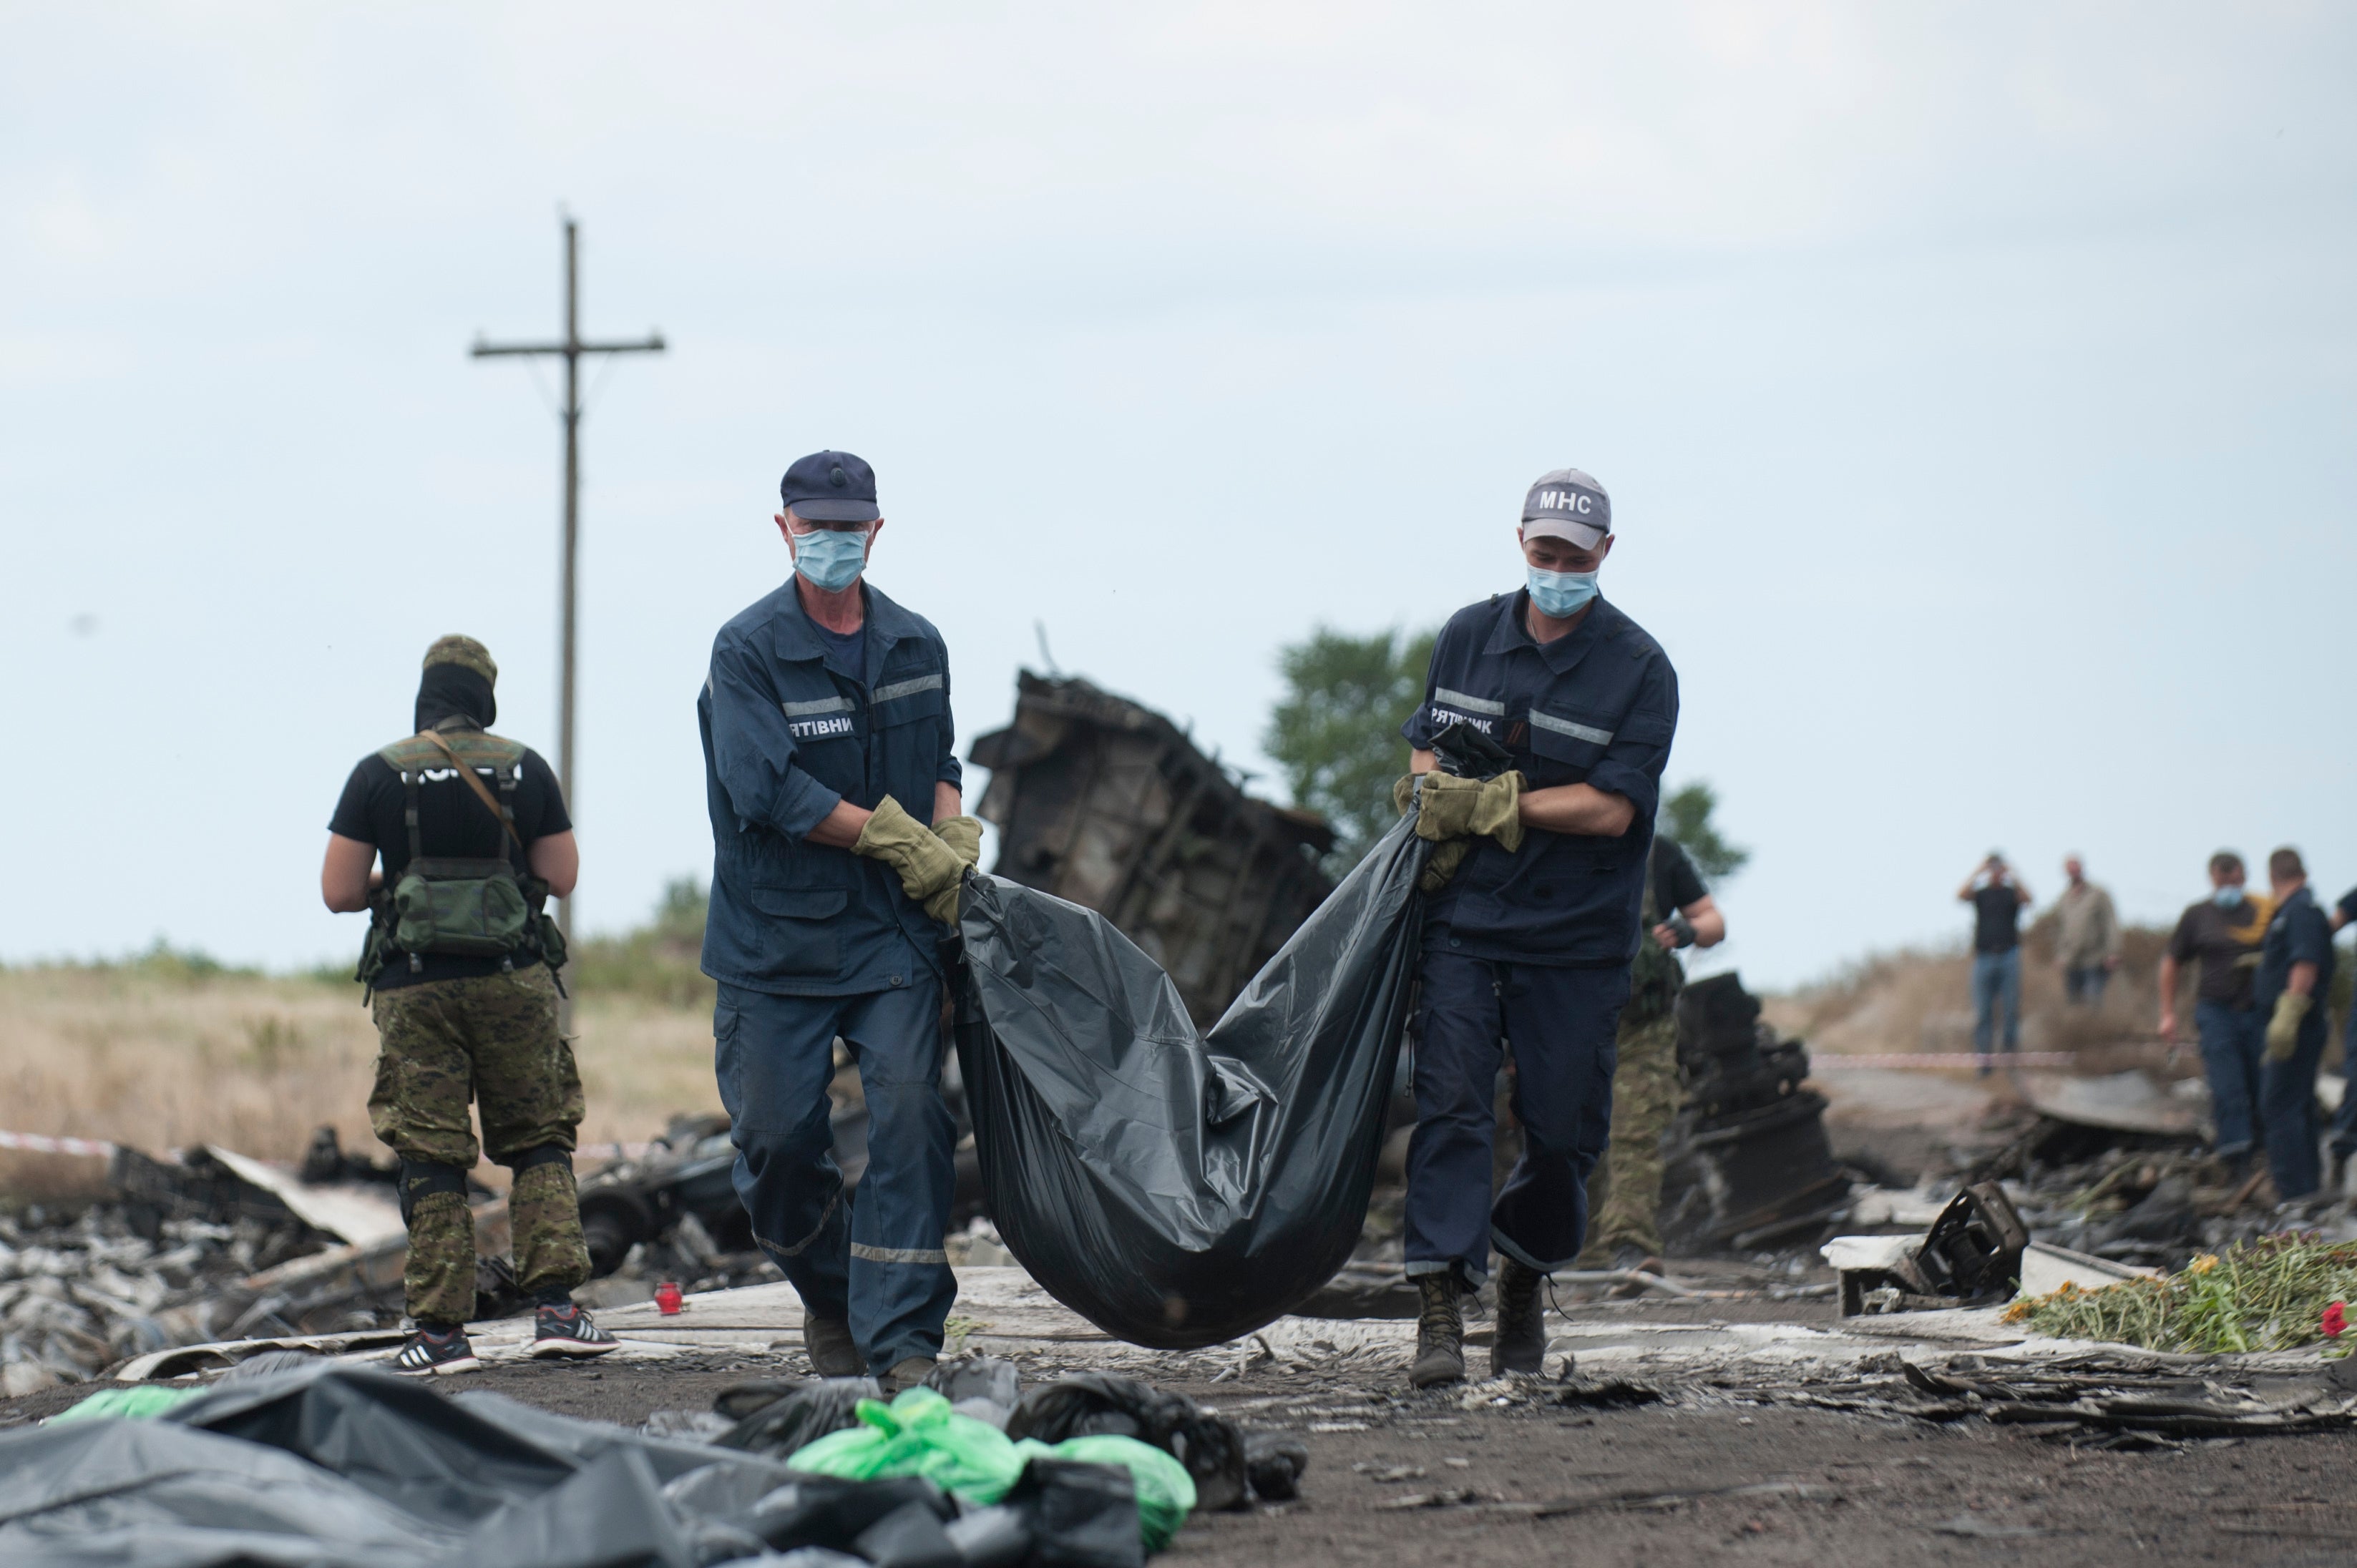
1974, 383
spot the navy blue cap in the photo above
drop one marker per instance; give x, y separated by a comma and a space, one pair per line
830, 486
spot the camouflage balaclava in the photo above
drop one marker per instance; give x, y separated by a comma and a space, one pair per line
456, 683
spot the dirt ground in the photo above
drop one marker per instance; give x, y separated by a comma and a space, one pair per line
1399, 1478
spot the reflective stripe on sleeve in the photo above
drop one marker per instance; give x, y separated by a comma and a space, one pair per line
1472, 705
820, 705
908, 688
1577, 732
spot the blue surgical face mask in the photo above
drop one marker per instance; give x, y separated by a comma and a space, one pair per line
830, 558
1561, 594
2226, 898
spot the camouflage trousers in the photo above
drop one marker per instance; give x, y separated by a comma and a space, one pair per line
1625, 1193
490, 1041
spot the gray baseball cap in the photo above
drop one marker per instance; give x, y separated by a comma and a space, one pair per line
1570, 505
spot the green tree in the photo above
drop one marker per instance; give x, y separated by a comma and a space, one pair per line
1336, 730
659, 959
1686, 816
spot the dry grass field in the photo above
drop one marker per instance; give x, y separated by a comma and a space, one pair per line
164, 1055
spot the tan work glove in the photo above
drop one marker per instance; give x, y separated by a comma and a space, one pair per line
963, 835
1469, 806
1453, 808
1442, 864
926, 866
2283, 1029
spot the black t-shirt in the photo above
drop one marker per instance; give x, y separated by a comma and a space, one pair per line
2226, 940
851, 647
1997, 917
1676, 882
451, 821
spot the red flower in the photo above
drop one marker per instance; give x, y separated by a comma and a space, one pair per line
2336, 1318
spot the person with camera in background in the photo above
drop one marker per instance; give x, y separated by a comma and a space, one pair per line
1998, 900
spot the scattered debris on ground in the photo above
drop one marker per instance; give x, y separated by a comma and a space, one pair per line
1750, 1164
79, 1294
1971, 1254
2134, 1400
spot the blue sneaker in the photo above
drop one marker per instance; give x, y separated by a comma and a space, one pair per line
433, 1352
567, 1331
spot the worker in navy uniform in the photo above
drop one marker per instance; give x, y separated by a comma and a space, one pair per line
1537, 880
839, 847
2294, 976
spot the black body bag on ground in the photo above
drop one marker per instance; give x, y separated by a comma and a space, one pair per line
1178, 1188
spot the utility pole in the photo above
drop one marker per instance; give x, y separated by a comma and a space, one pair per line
570, 350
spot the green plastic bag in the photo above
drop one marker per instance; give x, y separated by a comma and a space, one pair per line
1166, 1493
140, 1401
918, 1434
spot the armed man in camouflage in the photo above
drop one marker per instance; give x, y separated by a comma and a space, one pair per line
1627, 1189
460, 965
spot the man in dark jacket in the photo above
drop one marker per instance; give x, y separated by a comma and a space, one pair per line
838, 849
2294, 976
1529, 941
1997, 898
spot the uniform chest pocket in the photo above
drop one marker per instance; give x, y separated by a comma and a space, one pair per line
798, 928
1566, 743
908, 698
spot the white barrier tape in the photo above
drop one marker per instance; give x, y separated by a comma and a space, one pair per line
35, 1143
99, 1149
1822, 1061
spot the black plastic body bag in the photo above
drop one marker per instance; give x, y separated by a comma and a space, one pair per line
1178, 1188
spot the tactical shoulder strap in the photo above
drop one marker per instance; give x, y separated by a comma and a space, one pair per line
482, 793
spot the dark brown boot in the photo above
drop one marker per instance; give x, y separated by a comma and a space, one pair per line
1440, 1332
833, 1352
1520, 1342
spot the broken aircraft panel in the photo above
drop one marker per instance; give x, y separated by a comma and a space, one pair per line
1108, 804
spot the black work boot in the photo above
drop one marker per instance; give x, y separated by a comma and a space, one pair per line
1440, 1332
833, 1352
1520, 1342
906, 1373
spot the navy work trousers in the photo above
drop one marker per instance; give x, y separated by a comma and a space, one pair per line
2288, 1107
2233, 1039
878, 1261
1560, 1024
